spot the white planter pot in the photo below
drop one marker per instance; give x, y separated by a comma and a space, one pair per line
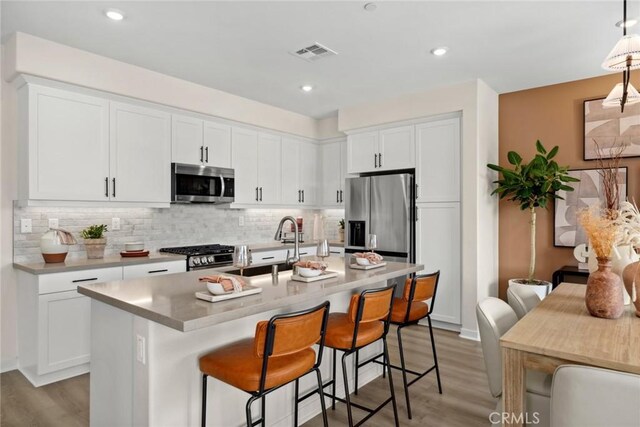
542, 289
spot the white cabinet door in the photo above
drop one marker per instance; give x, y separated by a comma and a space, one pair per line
186, 140
309, 156
68, 145
438, 248
438, 168
217, 145
140, 154
153, 269
269, 169
64, 327
396, 148
332, 177
244, 159
362, 151
291, 185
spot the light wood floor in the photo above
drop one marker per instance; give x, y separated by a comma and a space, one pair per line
465, 401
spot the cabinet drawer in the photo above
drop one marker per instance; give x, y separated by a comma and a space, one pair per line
153, 269
268, 257
69, 281
336, 251
310, 251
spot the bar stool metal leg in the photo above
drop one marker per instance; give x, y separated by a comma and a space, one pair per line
248, 410
435, 356
355, 391
295, 407
204, 400
333, 386
325, 421
393, 394
345, 380
262, 410
404, 371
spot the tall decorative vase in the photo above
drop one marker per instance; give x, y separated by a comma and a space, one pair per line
621, 257
630, 282
604, 292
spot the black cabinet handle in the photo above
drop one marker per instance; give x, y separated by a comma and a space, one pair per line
337, 196
380, 159
375, 160
268, 257
341, 196
84, 280
302, 196
416, 214
206, 151
416, 191
334, 252
260, 193
257, 199
201, 154
106, 187
304, 253
114, 187
164, 270
299, 196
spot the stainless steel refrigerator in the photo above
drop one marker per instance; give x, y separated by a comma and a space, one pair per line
383, 205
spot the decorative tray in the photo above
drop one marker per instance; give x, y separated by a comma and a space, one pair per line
134, 254
324, 276
367, 267
208, 296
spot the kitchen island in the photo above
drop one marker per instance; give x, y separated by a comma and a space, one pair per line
147, 335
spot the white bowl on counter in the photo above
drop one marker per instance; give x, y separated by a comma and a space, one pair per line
308, 272
134, 246
362, 261
216, 288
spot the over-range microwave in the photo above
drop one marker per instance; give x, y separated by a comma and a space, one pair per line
201, 184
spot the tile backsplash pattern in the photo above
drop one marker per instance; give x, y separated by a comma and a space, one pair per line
178, 225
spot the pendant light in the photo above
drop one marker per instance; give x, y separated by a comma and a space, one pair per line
625, 56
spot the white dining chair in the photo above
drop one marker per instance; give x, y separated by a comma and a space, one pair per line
584, 396
495, 318
522, 299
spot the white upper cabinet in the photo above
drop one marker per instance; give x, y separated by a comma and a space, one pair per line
200, 142
217, 144
388, 149
244, 159
269, 169
291, 194
186, 141
438, 152
66, 145
333, 173
396, 149
140, 154
309, 159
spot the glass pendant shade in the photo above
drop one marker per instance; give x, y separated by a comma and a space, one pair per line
615, 96
627, 47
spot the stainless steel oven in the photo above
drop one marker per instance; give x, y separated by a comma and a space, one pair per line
201, 184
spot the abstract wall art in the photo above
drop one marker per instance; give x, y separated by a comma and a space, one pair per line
610, 128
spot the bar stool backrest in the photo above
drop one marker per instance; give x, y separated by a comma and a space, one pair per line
421, 288
372, 305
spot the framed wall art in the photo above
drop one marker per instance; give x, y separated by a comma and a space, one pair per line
586, 193
610, 129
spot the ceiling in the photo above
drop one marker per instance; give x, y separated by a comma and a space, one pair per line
242, 47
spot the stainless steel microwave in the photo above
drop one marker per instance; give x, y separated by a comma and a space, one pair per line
201, 184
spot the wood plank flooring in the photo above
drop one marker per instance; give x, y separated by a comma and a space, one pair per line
465, 401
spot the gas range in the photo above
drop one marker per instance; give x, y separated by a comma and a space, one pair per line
204, 256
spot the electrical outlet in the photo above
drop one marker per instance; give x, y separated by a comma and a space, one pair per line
115, 224
241, 221
25, 225
141, 349
53, 223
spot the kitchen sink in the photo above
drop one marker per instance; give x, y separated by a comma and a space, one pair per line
259, 270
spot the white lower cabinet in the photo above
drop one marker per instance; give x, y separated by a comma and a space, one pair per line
154, 269
438, 248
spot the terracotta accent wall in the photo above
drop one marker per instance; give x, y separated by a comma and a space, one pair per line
552, 114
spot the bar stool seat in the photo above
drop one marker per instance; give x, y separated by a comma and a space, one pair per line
238, 365
417, 311
340, 330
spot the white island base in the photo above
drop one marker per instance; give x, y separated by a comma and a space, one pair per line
146, 374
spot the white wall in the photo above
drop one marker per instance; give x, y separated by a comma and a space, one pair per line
479, 106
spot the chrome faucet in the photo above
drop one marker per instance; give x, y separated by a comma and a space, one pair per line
296, 246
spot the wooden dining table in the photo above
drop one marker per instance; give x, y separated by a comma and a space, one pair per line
561, 331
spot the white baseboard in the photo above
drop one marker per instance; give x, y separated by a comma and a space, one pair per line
470, 334
9, 365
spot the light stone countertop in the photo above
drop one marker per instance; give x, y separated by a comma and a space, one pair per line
170, 300
274, 246
87, 264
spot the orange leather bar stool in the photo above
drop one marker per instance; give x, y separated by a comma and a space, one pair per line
409, 310
366, 322
280, 353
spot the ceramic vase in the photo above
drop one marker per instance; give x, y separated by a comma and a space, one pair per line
632, 285
52, 248
604, 292
621, 257
95, 248
341, 234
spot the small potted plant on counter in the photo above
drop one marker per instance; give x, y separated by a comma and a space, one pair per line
532, 185
341, 229
94, 241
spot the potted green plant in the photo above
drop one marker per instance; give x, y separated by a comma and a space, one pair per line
94, 240
532, 185
341, 229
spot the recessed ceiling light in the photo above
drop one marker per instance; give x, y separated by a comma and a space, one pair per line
370, 7
114, 14
306, 88
626, 24
439, 51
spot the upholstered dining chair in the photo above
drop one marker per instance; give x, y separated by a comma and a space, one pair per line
495, 318
584, 396
522, 299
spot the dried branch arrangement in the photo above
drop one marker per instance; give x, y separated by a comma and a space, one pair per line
628, 220
603, 232
608, 170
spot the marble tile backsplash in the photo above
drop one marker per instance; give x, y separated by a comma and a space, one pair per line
178, 225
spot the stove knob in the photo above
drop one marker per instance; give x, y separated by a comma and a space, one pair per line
196, 261
203, 260
211, 259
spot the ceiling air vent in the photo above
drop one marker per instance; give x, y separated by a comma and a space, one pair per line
314, 52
